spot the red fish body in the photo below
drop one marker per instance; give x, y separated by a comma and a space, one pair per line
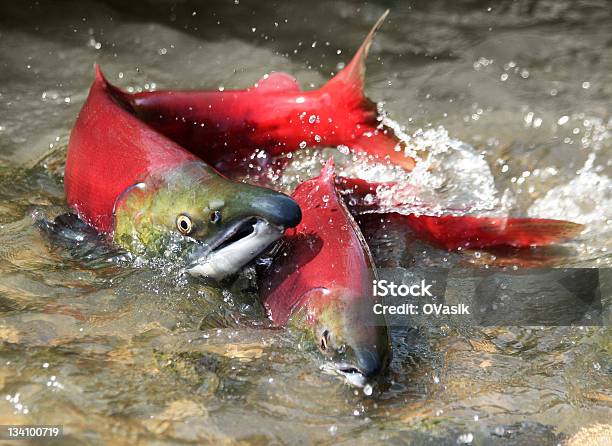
324, 274
274, 115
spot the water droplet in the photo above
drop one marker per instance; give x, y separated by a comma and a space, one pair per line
563, 120
343, 149
596, 366
367, 390
465, 438
303, 145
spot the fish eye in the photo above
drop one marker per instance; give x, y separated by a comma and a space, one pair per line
324, 343
215, 217
184, 224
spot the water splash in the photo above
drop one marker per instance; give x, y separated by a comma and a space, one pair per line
585, 199
451, 177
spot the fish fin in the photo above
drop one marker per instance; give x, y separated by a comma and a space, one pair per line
276, 82
67, 227
468, 231
120, 96
347, 89
99, 74
328, 171
82, 241
351, 78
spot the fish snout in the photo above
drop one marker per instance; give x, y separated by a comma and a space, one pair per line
369, 362
278, 209
357, 363
363, 366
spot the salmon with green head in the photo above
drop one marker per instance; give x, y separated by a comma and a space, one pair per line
155, 199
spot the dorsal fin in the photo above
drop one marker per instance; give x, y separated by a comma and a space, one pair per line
276, 82
328, 171
116, 93
99, 77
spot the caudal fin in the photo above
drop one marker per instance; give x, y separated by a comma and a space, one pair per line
473, 232
346, 89
352, 78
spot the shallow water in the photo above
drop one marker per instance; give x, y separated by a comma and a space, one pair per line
514, 104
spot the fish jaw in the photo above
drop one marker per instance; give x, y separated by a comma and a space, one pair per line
230, 223
226, 260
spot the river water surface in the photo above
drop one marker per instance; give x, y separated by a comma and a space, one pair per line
511, 98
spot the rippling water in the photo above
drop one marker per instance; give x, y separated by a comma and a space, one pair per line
510, 99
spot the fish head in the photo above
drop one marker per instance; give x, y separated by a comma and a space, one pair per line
346, 331
212, 225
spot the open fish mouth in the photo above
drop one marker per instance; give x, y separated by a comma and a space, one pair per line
236, 246
349, 372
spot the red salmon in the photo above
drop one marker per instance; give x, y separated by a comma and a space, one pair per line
321, 281
223, 127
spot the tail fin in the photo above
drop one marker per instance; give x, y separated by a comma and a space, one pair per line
351, 78
468, 231
347, 86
